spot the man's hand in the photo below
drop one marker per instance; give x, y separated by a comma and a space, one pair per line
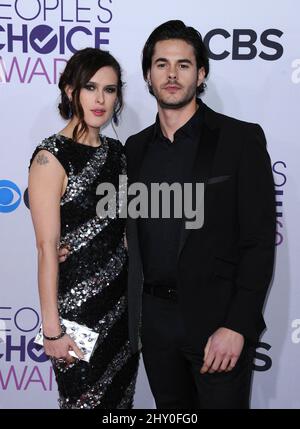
63, 253
222, 351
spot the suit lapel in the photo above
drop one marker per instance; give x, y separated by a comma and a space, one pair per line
138, 155
203, 164
134, 164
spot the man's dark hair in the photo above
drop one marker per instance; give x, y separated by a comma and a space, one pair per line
176, 29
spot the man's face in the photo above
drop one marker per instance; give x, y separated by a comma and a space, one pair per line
173, 74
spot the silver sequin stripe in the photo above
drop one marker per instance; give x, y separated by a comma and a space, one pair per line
121, 198
81, 236
103, 327
92, 398
78, 184
96, 284
128, 396
107, 322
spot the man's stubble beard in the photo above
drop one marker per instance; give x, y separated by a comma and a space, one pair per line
184, 101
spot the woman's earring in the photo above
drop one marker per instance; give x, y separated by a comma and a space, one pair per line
70, 113
115, 118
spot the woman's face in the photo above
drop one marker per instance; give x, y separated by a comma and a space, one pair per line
98, 97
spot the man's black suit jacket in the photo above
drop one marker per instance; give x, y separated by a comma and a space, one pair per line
225, 267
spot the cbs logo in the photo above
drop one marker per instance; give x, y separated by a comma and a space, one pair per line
11, 196
244, 44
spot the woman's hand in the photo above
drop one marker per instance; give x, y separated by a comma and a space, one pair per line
63, 253
59, 349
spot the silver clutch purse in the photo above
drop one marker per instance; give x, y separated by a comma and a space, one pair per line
83, 336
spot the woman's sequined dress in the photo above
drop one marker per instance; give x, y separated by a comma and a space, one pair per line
93, 280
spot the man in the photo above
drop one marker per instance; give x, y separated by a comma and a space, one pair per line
196, 295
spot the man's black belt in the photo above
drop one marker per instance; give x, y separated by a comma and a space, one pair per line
165, 292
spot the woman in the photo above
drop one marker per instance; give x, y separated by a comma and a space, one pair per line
90, 286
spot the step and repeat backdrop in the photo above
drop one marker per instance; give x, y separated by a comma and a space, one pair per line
254, 48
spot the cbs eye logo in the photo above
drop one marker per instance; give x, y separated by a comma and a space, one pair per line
10, 196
